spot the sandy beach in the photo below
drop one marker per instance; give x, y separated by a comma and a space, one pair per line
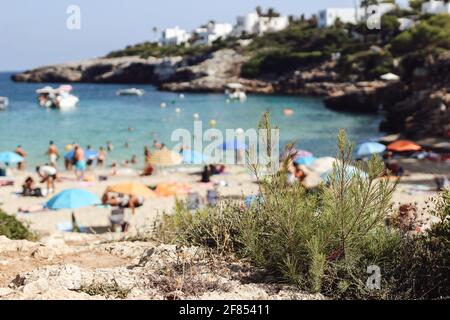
235, 182
415, 188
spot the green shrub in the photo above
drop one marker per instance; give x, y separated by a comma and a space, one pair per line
324, 240
279, 62
13, 228
366, 64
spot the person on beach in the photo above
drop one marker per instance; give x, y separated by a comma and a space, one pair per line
89, 161
29, 189
109, 146
80, 162
123, 202
134, 160
21, 152
101, 158
157, 145
206, 174
48, 175
53, 154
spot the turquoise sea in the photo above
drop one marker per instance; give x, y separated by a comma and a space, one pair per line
102, 116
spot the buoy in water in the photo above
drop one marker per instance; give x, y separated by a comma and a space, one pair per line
177, 110
181, 96
196, 116
213, 123
163, 105
288, 112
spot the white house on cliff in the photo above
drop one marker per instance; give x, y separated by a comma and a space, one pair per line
435, 7
213, 31
253, 23
174, 37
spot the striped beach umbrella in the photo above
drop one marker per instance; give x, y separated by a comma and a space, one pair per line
165, 158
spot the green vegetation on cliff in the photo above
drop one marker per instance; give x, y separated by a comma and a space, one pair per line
362, 54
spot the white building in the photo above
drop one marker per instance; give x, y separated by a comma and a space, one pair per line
435, 7
253, 23
174, 37
406, 23
213, 31
329, 16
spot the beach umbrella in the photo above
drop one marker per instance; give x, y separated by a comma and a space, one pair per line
165, 158
72, 199
172, 189
194, 157
322, 165
234, 145
370, 148
303, 154
350, 171
132, 189
89, 154
305, 160
10, 157
403, 146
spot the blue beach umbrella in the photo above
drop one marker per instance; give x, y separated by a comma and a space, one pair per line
350, 172
370, 148
89, 154
194, 157
10, 157
72, 199
234, 145
305, 161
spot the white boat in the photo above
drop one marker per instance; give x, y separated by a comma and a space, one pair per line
131, 92
4, 102
236, 91
59, 98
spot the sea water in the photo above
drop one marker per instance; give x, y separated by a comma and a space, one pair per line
102, 116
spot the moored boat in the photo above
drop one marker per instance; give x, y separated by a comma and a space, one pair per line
131, 92
236, 91
59, 98
4, 102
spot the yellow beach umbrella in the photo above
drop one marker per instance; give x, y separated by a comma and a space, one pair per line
133, 189
165, 158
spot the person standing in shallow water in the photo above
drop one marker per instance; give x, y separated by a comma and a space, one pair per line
21, 152
101, 158
53, 154
80, 162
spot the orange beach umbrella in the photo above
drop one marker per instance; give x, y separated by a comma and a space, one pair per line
404, 145
133, 189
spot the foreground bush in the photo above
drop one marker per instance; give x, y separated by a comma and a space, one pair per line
325, 240
13, 228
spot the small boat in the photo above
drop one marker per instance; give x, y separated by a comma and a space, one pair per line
59, 98
131, 92
236, 91
4, 102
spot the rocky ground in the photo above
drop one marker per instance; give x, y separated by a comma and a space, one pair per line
76, 266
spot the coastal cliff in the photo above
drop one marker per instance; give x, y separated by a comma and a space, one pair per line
342, 63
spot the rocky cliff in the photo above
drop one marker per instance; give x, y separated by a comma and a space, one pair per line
114, 70
109, 267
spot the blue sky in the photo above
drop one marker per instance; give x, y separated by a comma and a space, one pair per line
34, 33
